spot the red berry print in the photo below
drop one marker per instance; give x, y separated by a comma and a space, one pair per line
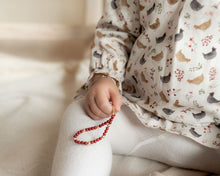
207, 40
172, 92
212, 73
179, 74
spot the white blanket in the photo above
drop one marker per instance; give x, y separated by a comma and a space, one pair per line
33, 96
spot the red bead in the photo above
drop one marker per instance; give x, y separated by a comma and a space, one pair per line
101, 125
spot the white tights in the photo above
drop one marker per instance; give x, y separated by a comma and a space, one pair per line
126, 136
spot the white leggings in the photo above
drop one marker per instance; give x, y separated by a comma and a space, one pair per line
127, 136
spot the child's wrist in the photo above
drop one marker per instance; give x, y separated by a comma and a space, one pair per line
105, 76
96, 77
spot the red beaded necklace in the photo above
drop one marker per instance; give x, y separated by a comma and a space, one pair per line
107, 123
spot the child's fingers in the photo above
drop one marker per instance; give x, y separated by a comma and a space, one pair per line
102, 101
95, 108
89, 112
89, 106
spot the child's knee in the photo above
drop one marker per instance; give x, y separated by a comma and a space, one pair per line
74, 109
75, 117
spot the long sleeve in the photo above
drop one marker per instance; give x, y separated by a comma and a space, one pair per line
167, 61
115, 35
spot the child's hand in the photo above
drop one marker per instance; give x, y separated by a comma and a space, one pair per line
99, 96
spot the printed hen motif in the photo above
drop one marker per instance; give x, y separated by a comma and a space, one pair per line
151, 9
97, 55
197, 80
210, 55
195, 5
199, 115
179, 35
161, 39
113, 4
212, 99
172, 2
142, 60
181, 57
194, 133
141, 45
168, 111
158, 57
165, 79
156, 24
125, 3
204, 25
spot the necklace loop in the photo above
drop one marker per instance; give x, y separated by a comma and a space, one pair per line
106, 123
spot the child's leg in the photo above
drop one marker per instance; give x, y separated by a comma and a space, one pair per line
78, 160
179, 151
130, 137
127, 136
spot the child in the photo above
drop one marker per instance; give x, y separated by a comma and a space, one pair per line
161, 58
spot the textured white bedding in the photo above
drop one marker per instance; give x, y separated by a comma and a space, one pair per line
35, 89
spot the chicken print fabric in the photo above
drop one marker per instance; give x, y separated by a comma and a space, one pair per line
165, 56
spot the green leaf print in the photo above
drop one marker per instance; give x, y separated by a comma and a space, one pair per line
187, 16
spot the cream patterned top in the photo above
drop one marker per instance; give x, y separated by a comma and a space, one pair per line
165, 55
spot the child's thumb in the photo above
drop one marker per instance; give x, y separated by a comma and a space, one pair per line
116, 99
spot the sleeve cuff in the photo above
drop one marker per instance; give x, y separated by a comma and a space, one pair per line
113, 75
